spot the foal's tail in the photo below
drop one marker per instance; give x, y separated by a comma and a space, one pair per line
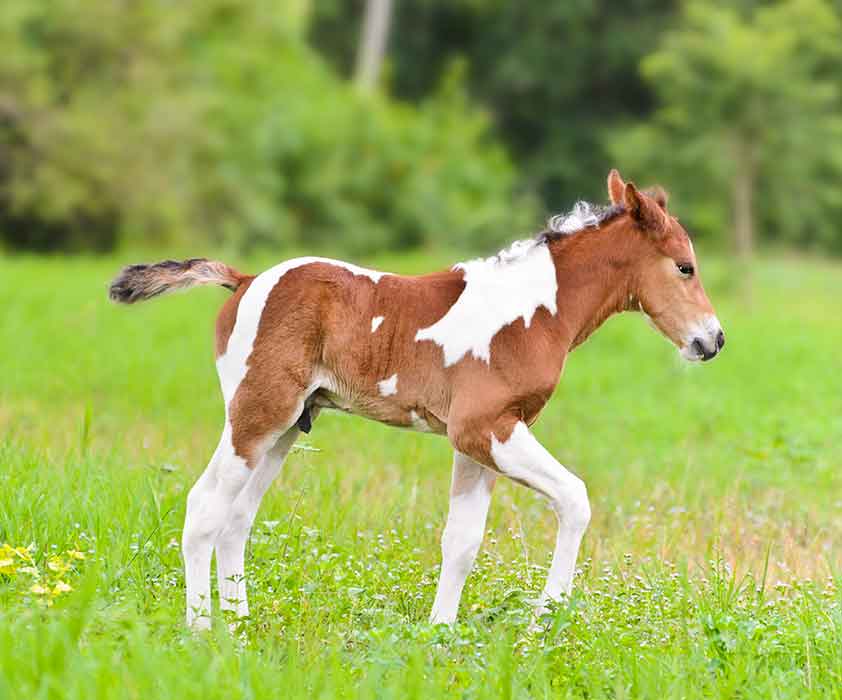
141, 282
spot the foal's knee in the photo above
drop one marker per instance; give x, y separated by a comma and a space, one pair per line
207, 514
572, 505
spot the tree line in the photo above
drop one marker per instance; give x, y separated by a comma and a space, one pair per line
240, 124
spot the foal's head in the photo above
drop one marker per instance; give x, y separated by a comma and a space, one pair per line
666, 283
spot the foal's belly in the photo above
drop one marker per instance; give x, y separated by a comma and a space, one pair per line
383, 409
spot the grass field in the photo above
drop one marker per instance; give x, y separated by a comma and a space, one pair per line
711, 568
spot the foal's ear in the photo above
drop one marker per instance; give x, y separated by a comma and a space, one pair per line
659, 194
645, 210
616, 186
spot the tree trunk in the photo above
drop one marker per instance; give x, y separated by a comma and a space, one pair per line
745, 175
744, 184
373, 43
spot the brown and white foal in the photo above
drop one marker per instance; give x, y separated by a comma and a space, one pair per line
473, 353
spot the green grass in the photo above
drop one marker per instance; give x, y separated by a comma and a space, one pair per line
709, 570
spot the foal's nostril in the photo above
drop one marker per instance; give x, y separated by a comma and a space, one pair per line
702, 353
698, 348
720, 340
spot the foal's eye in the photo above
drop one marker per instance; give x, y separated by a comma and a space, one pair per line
685, 269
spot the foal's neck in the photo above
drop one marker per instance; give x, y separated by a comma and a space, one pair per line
594, 271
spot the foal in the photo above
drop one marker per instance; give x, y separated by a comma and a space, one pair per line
473, 353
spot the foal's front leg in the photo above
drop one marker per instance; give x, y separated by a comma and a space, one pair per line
522, 458
470, 495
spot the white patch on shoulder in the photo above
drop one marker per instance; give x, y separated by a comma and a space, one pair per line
375, 323
418, 423
388, 386
233, 365
498, 291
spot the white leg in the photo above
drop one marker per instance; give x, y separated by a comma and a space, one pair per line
525, 460
470, 496
208, 505
231, 543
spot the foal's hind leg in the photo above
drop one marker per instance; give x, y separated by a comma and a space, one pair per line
208, 504
231, 543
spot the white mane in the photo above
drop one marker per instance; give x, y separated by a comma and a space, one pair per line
583, 215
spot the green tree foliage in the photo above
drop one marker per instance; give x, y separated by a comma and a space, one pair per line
556, 76
216, 122
219, 121
749, 121
80, 138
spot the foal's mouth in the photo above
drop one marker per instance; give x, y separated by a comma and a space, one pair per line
697, 350
703, 340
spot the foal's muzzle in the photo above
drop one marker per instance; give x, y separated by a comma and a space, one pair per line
705, 341
703, 352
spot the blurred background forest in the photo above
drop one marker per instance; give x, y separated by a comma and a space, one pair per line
360, 125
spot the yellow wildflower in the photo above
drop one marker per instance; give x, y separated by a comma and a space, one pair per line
38, 589
23, 553
61, 587
58, 565
7, 566
10, 556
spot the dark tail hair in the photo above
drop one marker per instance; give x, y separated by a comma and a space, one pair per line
141, 282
